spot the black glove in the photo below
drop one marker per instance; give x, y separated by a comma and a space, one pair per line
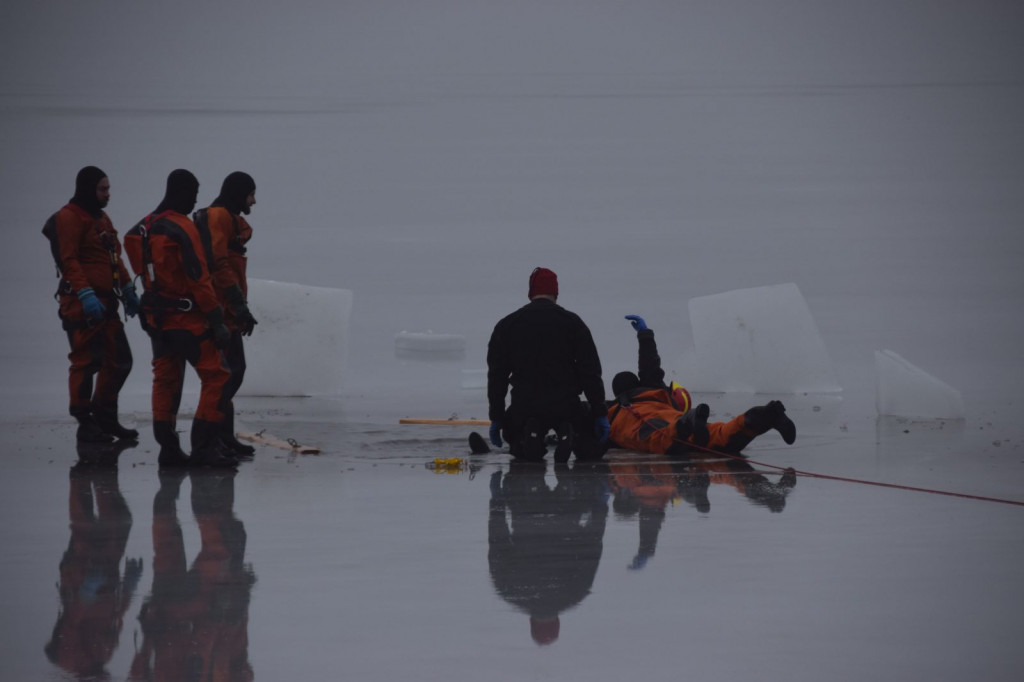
218, 331
240, 309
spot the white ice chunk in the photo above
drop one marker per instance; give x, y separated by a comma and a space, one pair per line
300, 344
760, 340
904, 390
429, 346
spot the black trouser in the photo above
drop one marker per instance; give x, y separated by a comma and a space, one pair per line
234, 355
575, 413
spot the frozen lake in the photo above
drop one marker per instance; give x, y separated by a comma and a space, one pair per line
887, 189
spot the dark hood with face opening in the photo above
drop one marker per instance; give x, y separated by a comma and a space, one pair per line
85, 191
233, 193
182, 190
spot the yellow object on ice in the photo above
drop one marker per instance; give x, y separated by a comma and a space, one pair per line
451, 465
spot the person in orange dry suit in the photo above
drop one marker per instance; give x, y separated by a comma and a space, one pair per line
195, 621
225, 234
649, 416
94, 592
87, 253
184, 319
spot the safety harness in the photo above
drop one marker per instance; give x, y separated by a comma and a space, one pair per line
152, 302
64, 286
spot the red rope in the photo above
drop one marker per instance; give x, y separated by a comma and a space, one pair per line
830, 477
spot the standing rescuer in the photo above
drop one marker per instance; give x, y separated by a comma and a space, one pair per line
225, 233
86, 250
185, 322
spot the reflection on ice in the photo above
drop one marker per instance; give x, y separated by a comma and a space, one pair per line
195, 622
545, 542
94, 593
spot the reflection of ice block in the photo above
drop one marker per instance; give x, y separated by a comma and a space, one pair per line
429, 346
300, 344
761, 340
904, 390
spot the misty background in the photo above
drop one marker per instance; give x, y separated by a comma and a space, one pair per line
428, 155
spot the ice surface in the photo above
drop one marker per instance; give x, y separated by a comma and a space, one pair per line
300, 344
904, 390
761, 340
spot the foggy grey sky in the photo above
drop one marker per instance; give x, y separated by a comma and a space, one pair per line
313, 47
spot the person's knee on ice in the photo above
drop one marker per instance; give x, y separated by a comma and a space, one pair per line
692, 427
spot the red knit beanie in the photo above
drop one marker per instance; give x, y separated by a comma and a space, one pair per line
543, 282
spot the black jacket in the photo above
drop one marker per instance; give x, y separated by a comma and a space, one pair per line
547, 355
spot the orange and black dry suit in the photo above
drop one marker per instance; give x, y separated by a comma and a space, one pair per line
644, 418
87, 252
179, 302
195, 622
94, 594
225, 234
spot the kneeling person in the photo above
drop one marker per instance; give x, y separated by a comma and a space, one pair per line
547, 355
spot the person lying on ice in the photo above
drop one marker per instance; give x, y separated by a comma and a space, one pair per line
649, 416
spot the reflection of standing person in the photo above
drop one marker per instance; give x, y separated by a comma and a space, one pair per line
94, 594
185, 322
649, 416
544, 557
226, 234
547, 355
93, 279
195, 622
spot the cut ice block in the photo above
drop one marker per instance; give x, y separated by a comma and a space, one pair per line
429, 346
760, 340
904, 390
300, 344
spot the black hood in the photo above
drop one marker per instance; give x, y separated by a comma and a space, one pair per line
85, 191
233, 193
182, 190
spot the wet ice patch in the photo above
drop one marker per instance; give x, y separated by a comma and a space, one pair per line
904, 390
300, 344
760, 340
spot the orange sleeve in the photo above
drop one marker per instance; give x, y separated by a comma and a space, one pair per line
221, 228
70, 232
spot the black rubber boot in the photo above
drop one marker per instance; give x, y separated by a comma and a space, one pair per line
207, 449
533, 448
171, 455
477, 444
107, 421
781, 423
564, 438
771, 416
236, 447
90, 432
694, 423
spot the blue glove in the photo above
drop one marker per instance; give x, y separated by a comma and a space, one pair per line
130, 300
94, 310
602, 428
637, 322
496, 434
